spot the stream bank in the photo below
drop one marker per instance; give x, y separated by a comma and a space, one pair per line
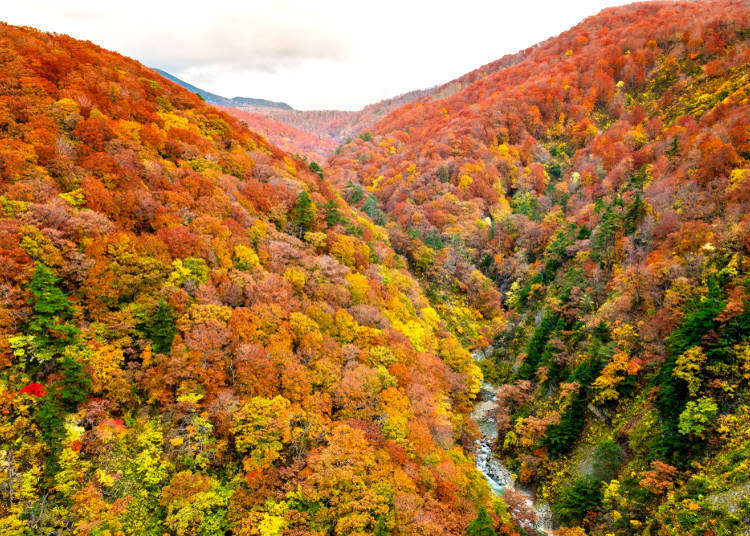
497, 474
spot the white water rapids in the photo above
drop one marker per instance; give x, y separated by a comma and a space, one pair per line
498, 476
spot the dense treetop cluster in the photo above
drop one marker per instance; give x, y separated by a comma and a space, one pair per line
201, 333
600, 180
197, 334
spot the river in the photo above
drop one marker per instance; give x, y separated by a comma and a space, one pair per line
498, 476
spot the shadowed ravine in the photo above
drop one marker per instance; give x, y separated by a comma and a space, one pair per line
498, 476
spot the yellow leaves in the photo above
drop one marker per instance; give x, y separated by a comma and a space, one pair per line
104, 367
474, 378
625, 336
382, 356
290, 166
38, 246
358, 287
74, 198
343, 250
554, 216
316, 239
612, 374
737, 178
104, 479
743, 356
202, 312
396, 410
346, 327
464, 181
186, 396
65, 110
129, 130
507, 152
296, 278
185, 269
303, 326
688, 367
175, 121
258, 231
424, 257
419, 337
637, 135
260, 427
374, 186
431, 317
273, 522
245, 257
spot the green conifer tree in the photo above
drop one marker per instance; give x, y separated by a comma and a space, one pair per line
482, 524
52, 310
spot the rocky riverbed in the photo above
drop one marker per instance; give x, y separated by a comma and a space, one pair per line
498, 476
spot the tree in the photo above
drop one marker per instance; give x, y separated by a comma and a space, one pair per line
315, 168
580, 497
482, 524
607, 460
161, 328
260, 429
303, 213
698, 417
333, 214
50, 325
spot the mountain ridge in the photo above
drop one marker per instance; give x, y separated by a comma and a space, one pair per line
213, 98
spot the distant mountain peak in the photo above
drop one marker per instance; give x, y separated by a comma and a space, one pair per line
212, 98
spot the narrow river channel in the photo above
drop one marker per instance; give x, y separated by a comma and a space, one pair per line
498, 476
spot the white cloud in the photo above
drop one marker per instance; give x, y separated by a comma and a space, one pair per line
311, 54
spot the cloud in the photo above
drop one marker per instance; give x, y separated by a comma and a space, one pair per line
259, 36
313, 54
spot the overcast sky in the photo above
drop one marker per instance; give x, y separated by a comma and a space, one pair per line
312, 54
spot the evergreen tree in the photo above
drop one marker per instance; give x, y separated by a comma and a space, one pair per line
482, 525
582, 496
161, 328
52, 310
303, 212
333, 214
315, 168
603, 241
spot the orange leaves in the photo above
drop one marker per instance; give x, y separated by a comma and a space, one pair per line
660, 478
717, 159
94, 132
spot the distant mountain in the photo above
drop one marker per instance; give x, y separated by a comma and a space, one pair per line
236, 102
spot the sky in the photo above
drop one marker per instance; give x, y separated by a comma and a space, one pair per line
312, 54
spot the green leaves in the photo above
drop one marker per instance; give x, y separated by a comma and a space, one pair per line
49, 324
698, 416
582, 496
304, 213
482, 525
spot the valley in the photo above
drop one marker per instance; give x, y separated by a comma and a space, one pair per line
516, 303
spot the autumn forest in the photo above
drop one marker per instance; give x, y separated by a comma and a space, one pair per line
517, 303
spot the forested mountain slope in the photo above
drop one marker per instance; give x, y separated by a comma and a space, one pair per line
287, 138
332, 127
218, 100
601, 182
197, 335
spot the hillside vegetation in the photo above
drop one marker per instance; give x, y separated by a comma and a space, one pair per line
600, 182
203, 334
197, 335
